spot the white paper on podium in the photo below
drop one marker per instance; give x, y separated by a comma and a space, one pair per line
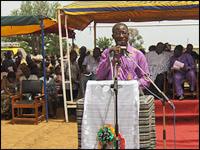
99, 110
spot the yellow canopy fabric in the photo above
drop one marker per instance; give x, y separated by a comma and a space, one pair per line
12, 30
82, 13
13, 49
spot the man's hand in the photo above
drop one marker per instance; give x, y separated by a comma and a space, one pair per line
116, 49
85, 70
184, 68
175, 69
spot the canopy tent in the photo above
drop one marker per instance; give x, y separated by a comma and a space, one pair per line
80, 14
31, 24
21, 25
54, 29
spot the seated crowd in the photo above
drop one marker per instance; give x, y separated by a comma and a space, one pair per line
163, 63
172, 68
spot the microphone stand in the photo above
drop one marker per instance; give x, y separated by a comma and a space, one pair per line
115, 87
164, 100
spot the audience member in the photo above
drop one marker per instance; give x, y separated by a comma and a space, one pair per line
89, 66
58, 79
75, 73
82, 52
8, 62
183, 67
27, 74
9, 87
51, 94
189, 50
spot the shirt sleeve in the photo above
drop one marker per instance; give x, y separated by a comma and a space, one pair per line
142, 62
103, 69
190, 62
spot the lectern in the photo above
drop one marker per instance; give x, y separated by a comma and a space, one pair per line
99, 110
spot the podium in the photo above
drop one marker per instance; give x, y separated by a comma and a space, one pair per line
136, 125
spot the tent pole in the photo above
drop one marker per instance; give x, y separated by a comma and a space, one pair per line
95, 34
62, 65
68, 59
44, 67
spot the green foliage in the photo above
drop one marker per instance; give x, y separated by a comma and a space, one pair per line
29, 42
104, 42
44, 8
135, 39
26, 46
52, 44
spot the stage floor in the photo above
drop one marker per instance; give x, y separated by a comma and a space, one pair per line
187, 125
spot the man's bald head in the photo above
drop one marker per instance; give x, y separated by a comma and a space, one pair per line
117, 25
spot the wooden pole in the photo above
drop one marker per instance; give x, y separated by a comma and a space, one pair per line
62, 65
68, 59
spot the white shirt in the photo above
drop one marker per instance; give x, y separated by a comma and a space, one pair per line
31, 77
91, 64
37, 57
158, 63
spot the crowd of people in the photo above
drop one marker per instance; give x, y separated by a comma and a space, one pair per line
14, 69
174, 66
160, 59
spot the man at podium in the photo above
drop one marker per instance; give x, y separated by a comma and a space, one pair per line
126, 55
119, 112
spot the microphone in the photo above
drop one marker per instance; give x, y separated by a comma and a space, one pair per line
111, 54
123, 48
124, 51
113, 58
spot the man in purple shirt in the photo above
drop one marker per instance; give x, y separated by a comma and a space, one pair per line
128, 58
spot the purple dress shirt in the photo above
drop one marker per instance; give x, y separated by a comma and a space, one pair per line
127, 69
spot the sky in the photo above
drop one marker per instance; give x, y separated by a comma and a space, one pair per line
151, 34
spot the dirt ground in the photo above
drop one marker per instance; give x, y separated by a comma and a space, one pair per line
54, 134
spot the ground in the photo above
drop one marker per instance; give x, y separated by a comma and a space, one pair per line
54, 134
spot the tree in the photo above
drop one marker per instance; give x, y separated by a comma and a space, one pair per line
104, 42
37, 8
29, 42
135, 39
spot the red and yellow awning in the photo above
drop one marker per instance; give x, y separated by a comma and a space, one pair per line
82, 13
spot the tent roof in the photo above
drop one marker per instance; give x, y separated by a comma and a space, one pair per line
22, 20
18, 25
82, 13
54, 29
